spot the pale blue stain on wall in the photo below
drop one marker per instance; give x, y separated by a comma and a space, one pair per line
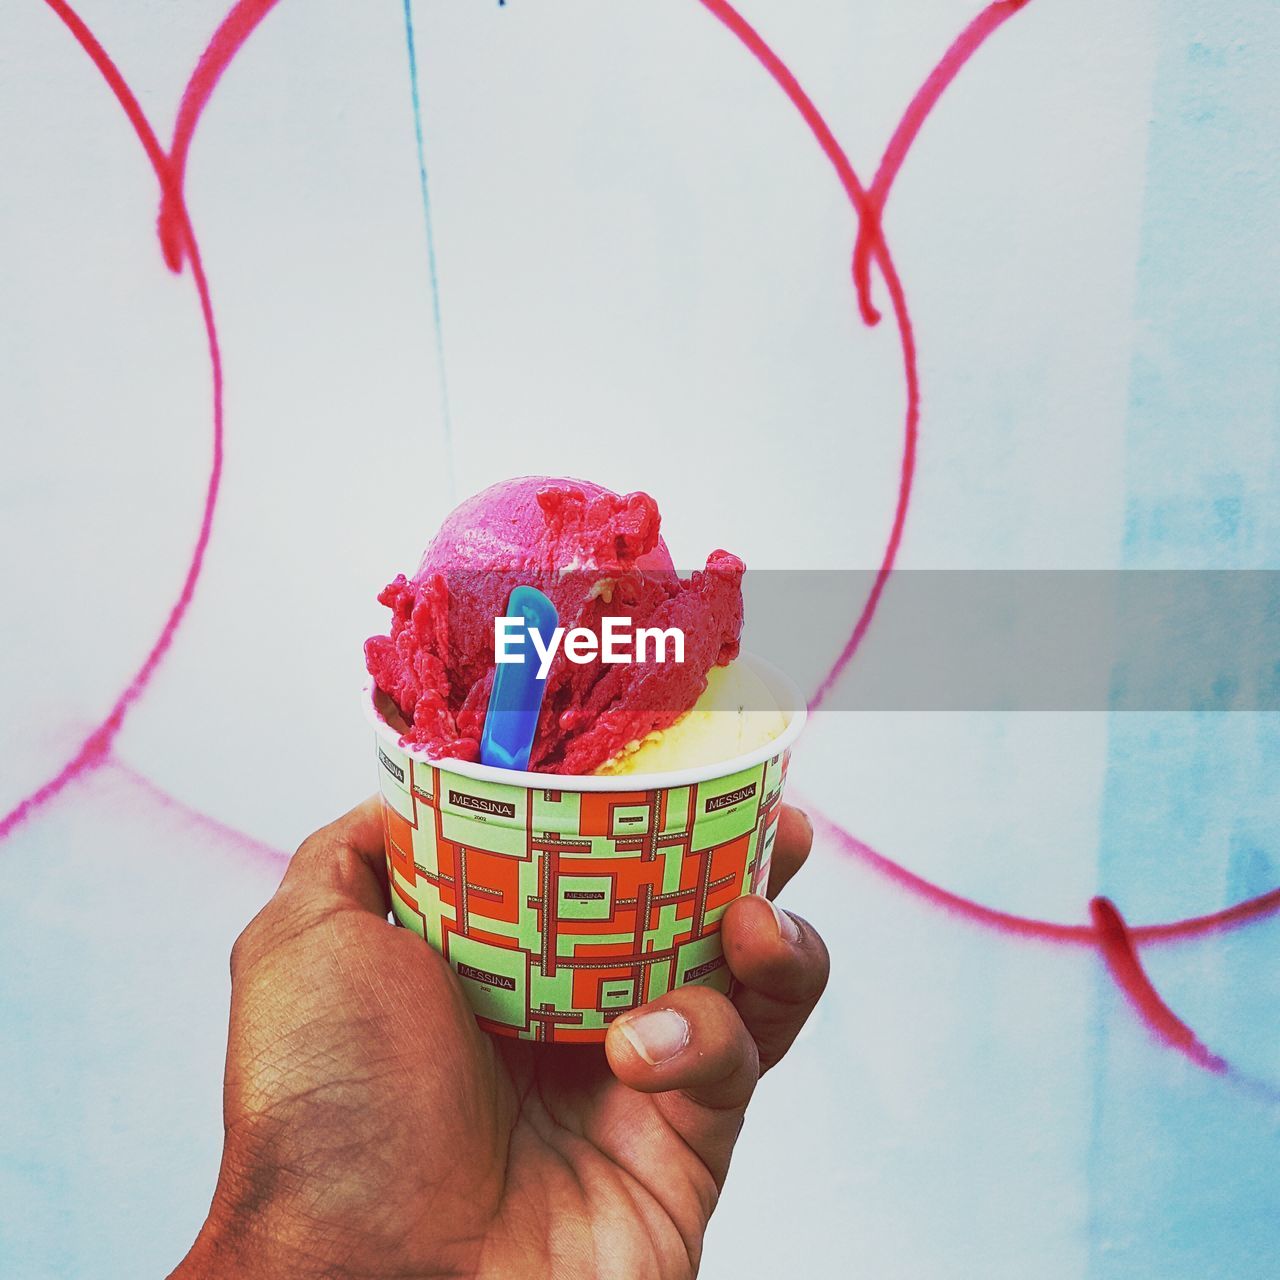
1185, 1167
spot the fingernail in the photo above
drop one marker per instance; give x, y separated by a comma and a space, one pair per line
788, 930
657, 1036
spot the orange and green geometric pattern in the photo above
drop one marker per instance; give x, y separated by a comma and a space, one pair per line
560, 910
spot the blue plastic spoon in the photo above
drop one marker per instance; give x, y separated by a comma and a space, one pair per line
516, 697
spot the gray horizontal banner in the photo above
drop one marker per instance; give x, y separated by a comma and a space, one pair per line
1034, 640
997, 640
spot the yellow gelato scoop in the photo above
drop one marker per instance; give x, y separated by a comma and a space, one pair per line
735, 714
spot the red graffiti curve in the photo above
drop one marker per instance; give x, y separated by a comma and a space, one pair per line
1116, 944
235, 29
863, 206
870, 244
966, 44
93, 750
935, 895
1028, 926
250, 849
1108, 932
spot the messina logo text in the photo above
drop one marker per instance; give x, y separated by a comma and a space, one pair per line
728, 800
482, 804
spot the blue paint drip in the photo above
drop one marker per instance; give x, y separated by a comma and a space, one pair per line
445, 414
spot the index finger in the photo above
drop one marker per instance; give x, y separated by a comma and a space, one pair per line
345, 861
791, 847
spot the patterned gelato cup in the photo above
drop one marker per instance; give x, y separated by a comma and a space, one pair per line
562, 901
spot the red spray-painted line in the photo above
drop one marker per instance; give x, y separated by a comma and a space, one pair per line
1109, 931
905, 480
235, 29
251, 849
864, 208
1028, 926
953, 903
789, 85
869, 207
1116, 944
94, 749
1266, 904
966, 44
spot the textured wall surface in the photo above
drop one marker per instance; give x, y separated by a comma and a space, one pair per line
633, 264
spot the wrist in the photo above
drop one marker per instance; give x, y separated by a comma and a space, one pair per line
274, 1244
208, 1258
217, 1253
230, 1245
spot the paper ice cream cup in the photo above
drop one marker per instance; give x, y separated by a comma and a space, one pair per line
563, 900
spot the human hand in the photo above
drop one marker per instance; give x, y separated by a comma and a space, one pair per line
373, 1130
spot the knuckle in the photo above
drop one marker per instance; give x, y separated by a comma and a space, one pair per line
251, 942
797, 829
306, 851
699, 1003
349, 865
241, 949
723, 1043
796, 974
812, 963
806, 829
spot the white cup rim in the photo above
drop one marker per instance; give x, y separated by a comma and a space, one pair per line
782, 687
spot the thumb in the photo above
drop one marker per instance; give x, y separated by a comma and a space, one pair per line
692, 1050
